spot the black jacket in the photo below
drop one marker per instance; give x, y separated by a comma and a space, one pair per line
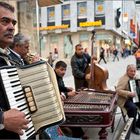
4, 134
79, 66
61, 85
15, 58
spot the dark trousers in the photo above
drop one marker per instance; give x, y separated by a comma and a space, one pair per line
131, 111
80, 83
116, 56
77, 132
102, 58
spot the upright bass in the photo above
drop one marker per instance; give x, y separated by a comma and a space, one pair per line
99, 75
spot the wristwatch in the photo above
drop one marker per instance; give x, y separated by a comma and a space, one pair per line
1, 120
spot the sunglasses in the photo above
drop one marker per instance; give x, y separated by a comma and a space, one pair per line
5, 21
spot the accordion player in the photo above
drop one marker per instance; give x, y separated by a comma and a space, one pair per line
41, 78
134, 86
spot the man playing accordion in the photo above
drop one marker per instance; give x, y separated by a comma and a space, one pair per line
125, 96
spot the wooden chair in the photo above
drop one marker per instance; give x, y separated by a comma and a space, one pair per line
123, 114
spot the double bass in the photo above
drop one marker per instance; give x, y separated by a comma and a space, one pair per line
99, 75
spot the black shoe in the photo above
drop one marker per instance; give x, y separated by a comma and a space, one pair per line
136, 131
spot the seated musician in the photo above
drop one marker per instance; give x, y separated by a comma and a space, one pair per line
125, 101
60, 69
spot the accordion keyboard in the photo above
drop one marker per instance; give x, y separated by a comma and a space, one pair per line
16, 97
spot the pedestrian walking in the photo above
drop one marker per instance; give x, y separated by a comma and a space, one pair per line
51, 59
115, 53
102, 55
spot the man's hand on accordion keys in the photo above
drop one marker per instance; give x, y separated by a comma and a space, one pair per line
15, 121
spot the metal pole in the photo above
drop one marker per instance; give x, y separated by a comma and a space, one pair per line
38, 25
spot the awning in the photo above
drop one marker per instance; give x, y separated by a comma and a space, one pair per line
43, 3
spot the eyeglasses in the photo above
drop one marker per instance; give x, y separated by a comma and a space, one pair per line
5, 21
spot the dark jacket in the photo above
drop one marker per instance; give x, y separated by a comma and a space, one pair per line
79, 66
15, 58
102, 53
61, 85
4, 134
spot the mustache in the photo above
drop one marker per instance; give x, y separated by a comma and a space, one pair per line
9, 33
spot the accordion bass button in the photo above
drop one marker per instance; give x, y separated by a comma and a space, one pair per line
31, 103
33, 108
30, 99
27, 89
28, 94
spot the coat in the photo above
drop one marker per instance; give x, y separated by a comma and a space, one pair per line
79, 66
5, 134
123, 91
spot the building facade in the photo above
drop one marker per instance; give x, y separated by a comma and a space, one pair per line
65, 25
58, 28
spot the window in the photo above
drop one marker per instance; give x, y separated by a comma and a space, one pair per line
99, 7
82, 9
51, 14
66, 12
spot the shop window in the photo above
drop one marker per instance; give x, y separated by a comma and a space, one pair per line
54, 39
84, 37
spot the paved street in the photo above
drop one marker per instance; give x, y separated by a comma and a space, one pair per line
115, 69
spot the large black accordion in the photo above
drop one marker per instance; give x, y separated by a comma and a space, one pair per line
33, 89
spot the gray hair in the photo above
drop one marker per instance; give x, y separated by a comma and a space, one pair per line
130, 66
7, 6
19, 39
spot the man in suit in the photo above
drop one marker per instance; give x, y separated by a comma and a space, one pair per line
125, 96
12, 121
19, 49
